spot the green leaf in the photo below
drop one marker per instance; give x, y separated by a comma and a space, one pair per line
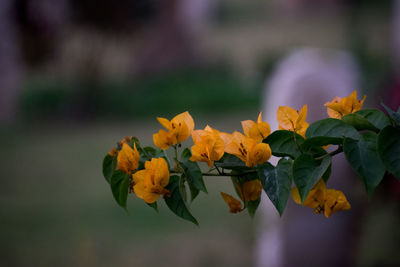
363, 157
359, 122
194, 192
175, 202
375, 117
276, 182
153, 205
192, 174
182, 188
329, 131
307, 171
231, 162
252, 207
395, 116
186, 154
282, 143
120, 182
389, 149
109, 165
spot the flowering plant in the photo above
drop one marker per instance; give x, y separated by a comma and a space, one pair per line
369, 139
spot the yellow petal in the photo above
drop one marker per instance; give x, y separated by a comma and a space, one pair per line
164, 122
181, 132
259, 119
296, 195
247, 125
139, 176
141, 191
159, 168
335, 201
287, 118
184, 118
234, 204
259, 154
302, 115
162, 140
252, 190
128, 159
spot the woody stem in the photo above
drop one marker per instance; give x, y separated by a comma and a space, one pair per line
333, 153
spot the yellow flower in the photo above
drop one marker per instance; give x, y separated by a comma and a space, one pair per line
234, 204
247, 149
289, 119
322, 200
128, 158
208, 146
335, 201
179, 129
149, 183
252, 190
256, 130
339, 107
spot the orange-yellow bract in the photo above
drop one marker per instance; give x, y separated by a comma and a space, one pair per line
234, 204
252, 190
149, 183
208, 145
179, 129
323, 200
248, 150
256, 130
339, 107
291, 120
128, 158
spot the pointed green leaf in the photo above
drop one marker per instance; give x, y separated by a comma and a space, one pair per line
175, 202
375, 117
109, 165
282, 143
182, 188
192, 172
363, 157
389, 149
276, 182
153, 205
252, 207
359, 122
307, 171
120, 182
329, 131
231, 162
395, 116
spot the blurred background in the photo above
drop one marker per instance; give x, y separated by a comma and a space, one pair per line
76, 76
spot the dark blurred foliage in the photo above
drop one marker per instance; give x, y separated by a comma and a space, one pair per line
165, 94
108, 15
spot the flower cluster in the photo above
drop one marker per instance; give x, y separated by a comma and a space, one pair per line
363, 136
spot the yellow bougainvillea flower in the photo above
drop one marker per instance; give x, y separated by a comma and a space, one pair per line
256, 130
248, 150
335, 201
322, 200
291, 120
252, 190
128, 158
208, 146
235, 205
149, 183
178, 130
339, 107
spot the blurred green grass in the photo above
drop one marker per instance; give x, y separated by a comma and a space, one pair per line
206, 90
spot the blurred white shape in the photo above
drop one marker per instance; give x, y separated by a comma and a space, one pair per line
313, 77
